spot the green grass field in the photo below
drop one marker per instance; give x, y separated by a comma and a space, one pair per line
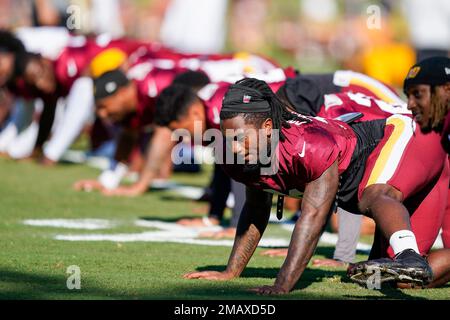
33, 264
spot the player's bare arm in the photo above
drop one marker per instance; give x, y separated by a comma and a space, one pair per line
252, 223
317, 201
126, 141
160, 147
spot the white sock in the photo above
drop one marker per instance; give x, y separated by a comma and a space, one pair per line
402, 240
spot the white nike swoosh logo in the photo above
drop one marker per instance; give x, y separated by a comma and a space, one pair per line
216, 115
152, 89
72, 68
302, 155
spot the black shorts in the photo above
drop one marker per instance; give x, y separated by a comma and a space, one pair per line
306, 92
369, 135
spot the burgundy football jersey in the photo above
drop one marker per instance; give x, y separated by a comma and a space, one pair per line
150, 81
311, 146
325, 95
74, 60
338, 104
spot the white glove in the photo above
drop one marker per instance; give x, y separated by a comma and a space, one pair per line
110, 179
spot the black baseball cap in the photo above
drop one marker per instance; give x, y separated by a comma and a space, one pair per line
109, 83
433, 71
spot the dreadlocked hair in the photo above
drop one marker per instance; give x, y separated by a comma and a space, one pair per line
279, 111
173, 102
438, 110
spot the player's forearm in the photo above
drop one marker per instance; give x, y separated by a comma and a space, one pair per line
316, 205
125, 144
243, 249
304, 241
159, 150
252, 223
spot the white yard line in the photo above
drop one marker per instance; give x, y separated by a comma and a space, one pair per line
170, 226
86, 224
169, 232
167, 237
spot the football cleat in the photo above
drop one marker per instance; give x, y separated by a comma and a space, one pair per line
407, 267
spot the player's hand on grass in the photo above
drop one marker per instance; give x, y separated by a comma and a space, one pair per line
88, 185
275, 253
270, 290
328, 263
209, 275
134, 190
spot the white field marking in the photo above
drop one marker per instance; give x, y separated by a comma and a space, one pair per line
101, 163
74, 156
188, 237
78, 157
86, 224
187, 192
273, 219
168, 226
171, 232
168, 232
164, 184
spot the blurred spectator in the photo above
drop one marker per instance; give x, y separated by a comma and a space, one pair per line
14, 13
317, 19
248, 24
192, 26
367, 41
144, 20
49, 12
106, 17
429, 25
316, 35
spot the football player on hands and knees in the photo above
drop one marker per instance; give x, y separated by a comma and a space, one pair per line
182, 108
427, 87
330, 163
126, 103
65, 75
